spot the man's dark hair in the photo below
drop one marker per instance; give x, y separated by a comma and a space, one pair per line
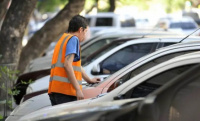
76, 22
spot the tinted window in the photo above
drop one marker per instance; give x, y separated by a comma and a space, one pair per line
146, 66
128, 23
124, 57
96, 54
164, 44
155, 82
156, 62
168, 43
88, 20
95, 46
104, 21
185, 105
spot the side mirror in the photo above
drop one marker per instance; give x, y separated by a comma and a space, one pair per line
96, 69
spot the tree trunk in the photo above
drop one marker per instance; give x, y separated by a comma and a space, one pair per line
112, 5
13, 29
49, 32
3, 7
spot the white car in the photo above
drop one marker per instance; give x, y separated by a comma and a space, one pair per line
135, 67
102, 65
138, 86
109, 20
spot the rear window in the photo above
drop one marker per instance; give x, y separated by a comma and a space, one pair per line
105, 21
88, 20
128, 23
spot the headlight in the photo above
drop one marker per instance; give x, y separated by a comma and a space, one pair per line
29, 90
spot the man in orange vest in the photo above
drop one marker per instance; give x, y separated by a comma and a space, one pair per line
66, 70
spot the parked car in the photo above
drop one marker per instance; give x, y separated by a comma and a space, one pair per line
193, 15
103, 21
139, 86
174, 100
184, 25
134, 87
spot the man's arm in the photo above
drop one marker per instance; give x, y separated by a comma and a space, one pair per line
71, 76
87, 79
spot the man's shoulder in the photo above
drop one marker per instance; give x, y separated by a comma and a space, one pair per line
74, 38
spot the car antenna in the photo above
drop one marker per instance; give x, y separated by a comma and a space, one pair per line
188, 35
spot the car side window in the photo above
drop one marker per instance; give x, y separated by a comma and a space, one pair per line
185, 105
104, 21
128, 23
156, 62
146, 66
95, 46
124, 57
164, 44
88, 20
157, 81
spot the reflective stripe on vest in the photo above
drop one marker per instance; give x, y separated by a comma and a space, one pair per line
59, 64
63, 79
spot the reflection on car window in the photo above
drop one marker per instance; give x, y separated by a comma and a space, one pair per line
104, 21
95, 46
148, 65
186, 103
155, 82
97, 55
156, 62
124, 57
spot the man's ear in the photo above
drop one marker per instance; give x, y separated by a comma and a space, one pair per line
80, 29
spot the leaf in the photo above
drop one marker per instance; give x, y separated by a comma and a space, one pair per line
1, 117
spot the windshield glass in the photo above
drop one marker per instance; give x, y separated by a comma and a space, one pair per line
95, 46
88, 60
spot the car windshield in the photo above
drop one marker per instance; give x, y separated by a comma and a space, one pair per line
95, 46
94, 56
183, 25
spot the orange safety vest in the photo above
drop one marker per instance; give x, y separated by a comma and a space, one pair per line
59, 82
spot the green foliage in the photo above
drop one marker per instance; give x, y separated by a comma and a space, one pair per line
177, 5
50, 5
8, 76
89, 4
23, 82
1, 117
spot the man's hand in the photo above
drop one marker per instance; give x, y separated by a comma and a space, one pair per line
95, 80
79, 95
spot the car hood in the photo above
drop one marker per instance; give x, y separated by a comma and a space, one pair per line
76, 109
